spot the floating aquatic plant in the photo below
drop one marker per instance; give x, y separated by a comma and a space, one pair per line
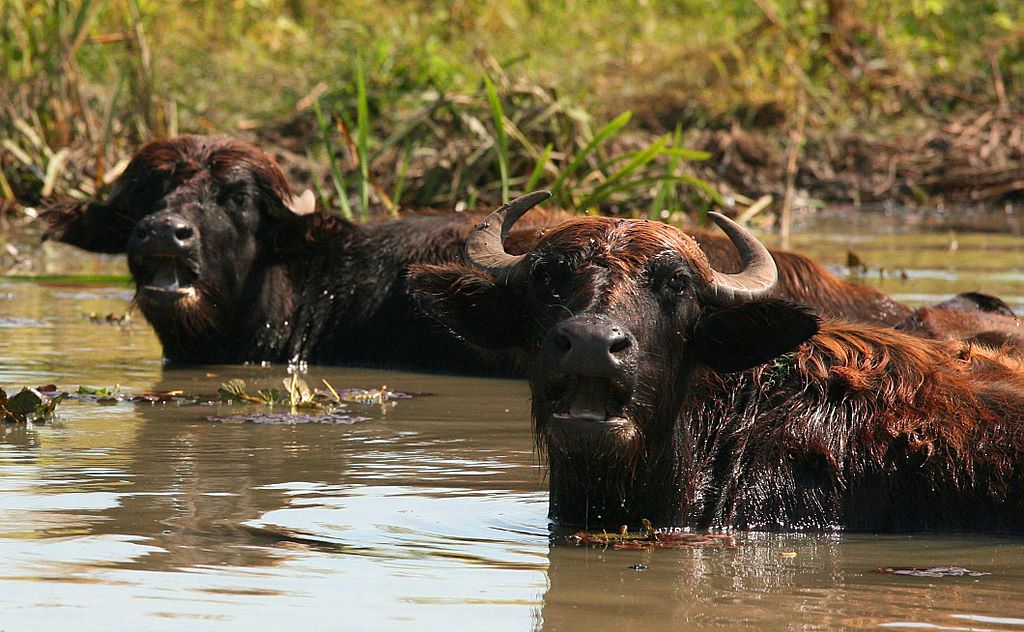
291, 418
123, 319
935, 571
27, 405
650, 538
304, 404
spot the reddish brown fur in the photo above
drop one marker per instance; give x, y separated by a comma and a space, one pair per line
932, 391
984, 328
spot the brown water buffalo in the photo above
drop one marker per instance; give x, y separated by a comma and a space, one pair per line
230, 267
665, 389
971, 317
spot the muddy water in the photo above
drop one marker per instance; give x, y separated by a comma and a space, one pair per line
430, 515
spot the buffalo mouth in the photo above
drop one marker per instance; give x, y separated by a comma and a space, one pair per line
588, 404
166, 278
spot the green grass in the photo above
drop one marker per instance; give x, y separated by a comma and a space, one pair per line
462, 103
502, 139
70, 279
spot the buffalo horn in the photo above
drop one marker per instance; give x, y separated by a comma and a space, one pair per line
485, 247
758, 276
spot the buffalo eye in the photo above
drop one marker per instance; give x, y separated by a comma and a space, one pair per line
548, 279
671, 282
677, 283
240, 198
234, 195
670, 276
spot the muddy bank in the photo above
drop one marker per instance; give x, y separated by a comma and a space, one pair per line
973, 157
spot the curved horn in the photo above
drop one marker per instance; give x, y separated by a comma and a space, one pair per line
485, 246
759, 274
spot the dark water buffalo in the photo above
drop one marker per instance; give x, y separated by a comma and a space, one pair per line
665, 389
230, 267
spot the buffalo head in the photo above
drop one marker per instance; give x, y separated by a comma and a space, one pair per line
613, 317
195, 216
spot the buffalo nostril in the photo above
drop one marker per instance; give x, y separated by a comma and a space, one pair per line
619, 343
183, 233
563, 343
141, 233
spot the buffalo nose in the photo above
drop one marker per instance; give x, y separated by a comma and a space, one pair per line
164, 233
591, 346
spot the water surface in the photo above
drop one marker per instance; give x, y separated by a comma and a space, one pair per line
431, 515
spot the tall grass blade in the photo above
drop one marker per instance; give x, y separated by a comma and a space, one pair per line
5, 188
336, 176
143, 66
419, 120
20, 154
362, 139
80, 20
640, 183
685, 154
499, 126
112, 106
79, 30
637, 160
403, 170
320, 193
606, 132
538, 170
53, 170
666, 192
706, 187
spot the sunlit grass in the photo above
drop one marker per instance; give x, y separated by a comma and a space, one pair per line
97, 77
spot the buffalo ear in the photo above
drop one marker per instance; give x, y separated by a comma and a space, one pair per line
470, 304
93, 226
744, 336
304, 204
296, 234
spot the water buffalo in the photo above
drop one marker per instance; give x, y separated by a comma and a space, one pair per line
230, 267
972, 317
665, 389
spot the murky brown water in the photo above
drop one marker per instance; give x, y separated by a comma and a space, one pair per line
430, 515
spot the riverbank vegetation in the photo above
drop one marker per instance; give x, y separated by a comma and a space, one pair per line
655, 106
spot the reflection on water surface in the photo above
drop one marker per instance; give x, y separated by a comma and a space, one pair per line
430, 515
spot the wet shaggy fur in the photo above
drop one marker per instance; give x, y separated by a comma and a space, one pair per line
275, 285
972, 317
748, 416
860, 428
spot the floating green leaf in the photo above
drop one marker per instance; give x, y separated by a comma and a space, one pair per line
27, 405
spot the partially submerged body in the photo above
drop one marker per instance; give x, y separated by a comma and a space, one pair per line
668, 390
230, 267
972, 317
